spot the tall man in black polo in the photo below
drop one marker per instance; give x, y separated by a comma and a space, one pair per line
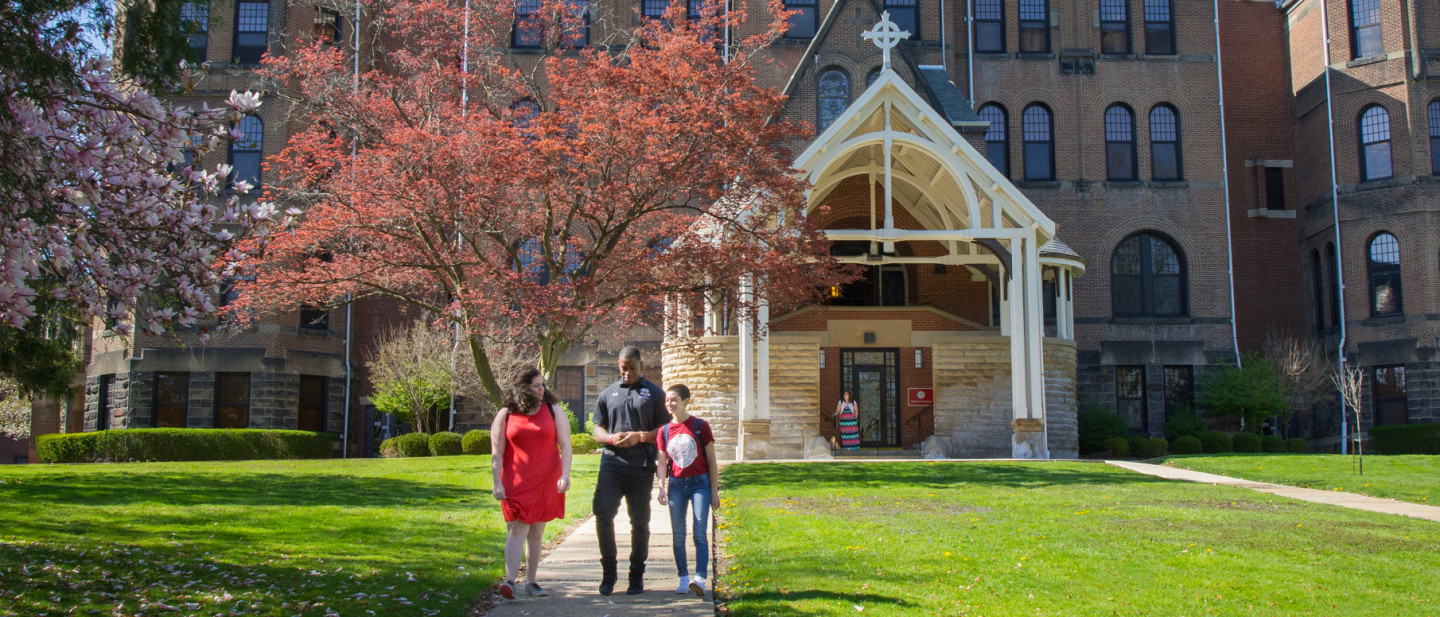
628, 415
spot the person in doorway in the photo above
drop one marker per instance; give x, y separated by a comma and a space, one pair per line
628, 415
847, 415
687, 471
530, 462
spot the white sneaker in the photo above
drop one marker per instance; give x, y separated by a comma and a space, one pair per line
684, 585
697, 586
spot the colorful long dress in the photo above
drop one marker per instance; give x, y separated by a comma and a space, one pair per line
849, 420
531, 468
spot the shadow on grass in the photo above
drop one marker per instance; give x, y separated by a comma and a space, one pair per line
132, 579
771, 603
187, 488
937, 475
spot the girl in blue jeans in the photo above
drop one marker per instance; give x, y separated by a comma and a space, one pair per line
687, 463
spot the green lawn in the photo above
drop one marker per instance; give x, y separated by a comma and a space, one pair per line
392, 537
998, 539
1407, 478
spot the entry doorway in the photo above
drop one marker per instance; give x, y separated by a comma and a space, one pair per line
872, 376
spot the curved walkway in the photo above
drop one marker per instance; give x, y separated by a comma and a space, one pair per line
571, 573
1334, 498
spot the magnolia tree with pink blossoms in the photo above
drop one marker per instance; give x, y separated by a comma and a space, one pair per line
102, 215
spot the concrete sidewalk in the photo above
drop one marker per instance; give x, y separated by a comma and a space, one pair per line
571, 573
1334, 498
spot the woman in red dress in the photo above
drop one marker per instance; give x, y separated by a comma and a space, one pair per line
530, 462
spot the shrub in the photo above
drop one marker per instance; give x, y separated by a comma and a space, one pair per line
185, 444
475, 442
1296, 445
389, 448
1183, 422
583, 443
1252, 392
1216, 442
1138, 445
1405, 439
445, 443
1244, 442
413, 444
1097, 425
1186, 444
576, 426
1272, 443
1157, 446
1117, 446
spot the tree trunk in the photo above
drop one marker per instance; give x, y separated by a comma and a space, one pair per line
487, 375
551, 348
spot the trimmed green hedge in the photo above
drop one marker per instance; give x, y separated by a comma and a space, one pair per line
1246, 443
185, 444
1117, 446
583, 443
412, 445
445, 443
475, 442
1156, 447
1216, 442
1405, 439
1273, 444
1138, 446
1296, 445
1097, 425
1186, 444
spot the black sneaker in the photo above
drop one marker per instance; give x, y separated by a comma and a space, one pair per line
507, 590
636, 588
607, 585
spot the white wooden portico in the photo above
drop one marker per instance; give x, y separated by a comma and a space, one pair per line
913, 158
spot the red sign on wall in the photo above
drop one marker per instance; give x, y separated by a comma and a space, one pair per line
922, 397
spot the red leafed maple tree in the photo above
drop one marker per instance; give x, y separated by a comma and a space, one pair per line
532, 197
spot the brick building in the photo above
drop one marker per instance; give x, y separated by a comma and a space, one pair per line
1199, 226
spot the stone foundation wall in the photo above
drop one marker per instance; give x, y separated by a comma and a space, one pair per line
794, 397
1061, 404
972, 396
710, 368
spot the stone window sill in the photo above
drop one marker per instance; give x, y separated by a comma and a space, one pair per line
1038, 184
1266, 213
1169, 184
1152, 321
1123, 184
1366, 60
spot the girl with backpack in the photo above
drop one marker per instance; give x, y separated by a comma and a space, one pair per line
687, 471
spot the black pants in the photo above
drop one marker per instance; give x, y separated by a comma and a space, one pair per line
633, 484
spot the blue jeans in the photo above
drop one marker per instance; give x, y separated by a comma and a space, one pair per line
693, 491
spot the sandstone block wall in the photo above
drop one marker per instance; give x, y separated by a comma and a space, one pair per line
794, 397
1061, 403
710, 368
972, 396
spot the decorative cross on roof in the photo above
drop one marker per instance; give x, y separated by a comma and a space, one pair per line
886, 35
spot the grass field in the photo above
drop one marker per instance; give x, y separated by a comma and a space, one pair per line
391, 537
998, 539
1408, 478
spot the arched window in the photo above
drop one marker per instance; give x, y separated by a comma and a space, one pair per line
1114, 26
1317, 278
989, 26
997, 142
1365, 29
1432, 113
1383, 265
1165, 143
245, 152
832, 95
1333, 282
906, 14
1119, 143
1375, 143
1159, 28
1147, 278
1035, 26
870, 77
1039, 143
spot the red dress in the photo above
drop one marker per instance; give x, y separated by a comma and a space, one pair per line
531, 468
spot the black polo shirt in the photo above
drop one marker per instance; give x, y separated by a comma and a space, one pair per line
636, 407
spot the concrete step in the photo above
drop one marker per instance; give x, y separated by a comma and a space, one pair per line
877, 453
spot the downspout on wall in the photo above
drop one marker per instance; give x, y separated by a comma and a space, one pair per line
1225, 177
1335, 207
